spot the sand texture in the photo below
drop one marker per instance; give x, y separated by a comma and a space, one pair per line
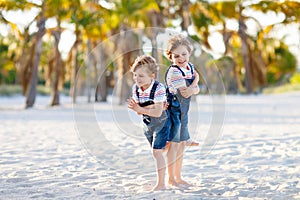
98, 151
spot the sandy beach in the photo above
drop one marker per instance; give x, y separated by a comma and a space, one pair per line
98, 151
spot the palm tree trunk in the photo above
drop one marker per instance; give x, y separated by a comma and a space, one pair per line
123, 89
26, 64
101, 89
154, 47
89, 70
154, 18
128, 47
31, 94
185, 14
245, 52
75, 63
58, 66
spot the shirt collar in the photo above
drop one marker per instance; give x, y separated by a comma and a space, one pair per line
148, 90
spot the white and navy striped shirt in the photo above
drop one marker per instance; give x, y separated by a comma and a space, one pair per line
175, 79
159, 95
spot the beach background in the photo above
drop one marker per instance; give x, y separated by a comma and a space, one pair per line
98, 151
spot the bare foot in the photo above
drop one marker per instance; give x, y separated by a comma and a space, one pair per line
173, 183
183, 182
191, 142
158, 187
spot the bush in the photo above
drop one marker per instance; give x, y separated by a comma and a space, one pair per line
282, 89
9, 90
295, 79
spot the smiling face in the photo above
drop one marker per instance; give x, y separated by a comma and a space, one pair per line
144, 71
180, 56
143, 77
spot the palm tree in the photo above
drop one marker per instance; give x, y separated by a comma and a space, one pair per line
58, 65
241, 44
31, 94
131, 15
23, 41
245, 50
90, 28
60, 11
204, 15
97, 30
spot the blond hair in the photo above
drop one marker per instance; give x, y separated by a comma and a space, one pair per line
176, 41
145, 61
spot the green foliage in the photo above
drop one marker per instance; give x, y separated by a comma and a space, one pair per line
282, 64
291, 9
226, 66
7, 66
295, 79
226, 9
16, 4
200, 15
9, 90
271, 78
43, 90
286, 60
282, 89
10, 77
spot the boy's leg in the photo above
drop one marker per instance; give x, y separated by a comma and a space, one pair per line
174, 139
166, 149
178, 165
171, 159
160, 169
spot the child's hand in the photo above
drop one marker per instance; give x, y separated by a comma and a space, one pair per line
166, 105
186, 92
132, 104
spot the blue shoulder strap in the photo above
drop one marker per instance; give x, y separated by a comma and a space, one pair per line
137, 91
152, 92
192, 67
183, 74
153, 89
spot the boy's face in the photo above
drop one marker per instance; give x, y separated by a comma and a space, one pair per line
180, 56
143, 77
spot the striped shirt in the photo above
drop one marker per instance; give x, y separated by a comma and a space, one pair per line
159, 95
175, 79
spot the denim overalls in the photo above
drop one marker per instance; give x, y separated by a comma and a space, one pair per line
178, 112
155, 128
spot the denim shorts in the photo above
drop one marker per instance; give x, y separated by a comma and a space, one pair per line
157, 131
178, 122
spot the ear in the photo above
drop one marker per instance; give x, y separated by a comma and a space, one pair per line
153, 76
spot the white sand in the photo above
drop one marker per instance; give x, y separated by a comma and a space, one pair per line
98, 151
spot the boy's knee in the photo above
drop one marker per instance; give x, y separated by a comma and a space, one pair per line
174, 145
157, 152
182, 144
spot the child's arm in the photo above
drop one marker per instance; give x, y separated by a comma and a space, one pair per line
154, 110
192, 89
186, 92
194, 84
196, 80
